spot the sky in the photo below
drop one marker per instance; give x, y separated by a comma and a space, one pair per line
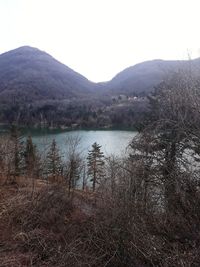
99, 38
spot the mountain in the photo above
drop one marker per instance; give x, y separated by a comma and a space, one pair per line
28, 74
143, 77
36, 89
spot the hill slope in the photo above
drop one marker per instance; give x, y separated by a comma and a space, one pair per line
143, 77
36, 89
28, 74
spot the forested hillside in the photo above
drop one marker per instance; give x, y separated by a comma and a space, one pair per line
37, 90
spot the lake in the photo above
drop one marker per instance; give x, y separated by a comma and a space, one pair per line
112, 141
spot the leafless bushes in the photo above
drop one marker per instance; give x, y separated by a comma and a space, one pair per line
132, 232
152, 218
127, 227
40, 226
47, 230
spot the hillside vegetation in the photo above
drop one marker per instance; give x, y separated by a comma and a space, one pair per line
140, 210
37, 90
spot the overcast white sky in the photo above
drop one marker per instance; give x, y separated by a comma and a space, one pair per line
99, 38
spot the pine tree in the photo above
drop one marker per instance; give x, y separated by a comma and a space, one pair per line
54, 164
31, 162
73, 172
17, 157
95, 164
30, 156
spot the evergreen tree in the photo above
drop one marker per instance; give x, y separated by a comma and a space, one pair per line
54, 164
17, 153
31, 162
95, 164
73, 171
30, 156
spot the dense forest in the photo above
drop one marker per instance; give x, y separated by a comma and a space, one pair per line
139, 210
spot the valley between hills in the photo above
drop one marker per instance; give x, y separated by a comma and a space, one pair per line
38, 91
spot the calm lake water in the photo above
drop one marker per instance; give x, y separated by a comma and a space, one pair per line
112, 141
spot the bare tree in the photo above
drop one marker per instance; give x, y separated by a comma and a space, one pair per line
168, 143
74, 162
